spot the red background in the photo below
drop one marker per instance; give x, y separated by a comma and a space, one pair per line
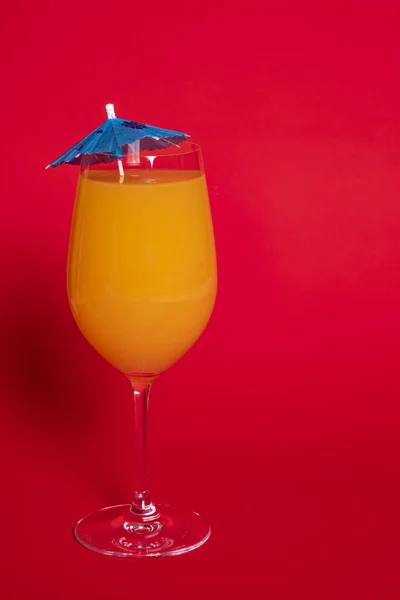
281, 425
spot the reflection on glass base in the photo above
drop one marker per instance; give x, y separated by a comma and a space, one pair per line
117, 531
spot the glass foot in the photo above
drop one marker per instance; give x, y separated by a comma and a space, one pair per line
118, 531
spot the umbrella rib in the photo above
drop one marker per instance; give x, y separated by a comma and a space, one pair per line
170, 142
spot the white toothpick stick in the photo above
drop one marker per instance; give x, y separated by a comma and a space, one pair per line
120, 169
111, 115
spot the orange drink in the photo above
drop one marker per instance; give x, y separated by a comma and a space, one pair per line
142, 268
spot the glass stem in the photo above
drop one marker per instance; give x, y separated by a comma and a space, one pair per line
141, 503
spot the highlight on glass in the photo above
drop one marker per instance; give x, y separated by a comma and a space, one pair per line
142, 283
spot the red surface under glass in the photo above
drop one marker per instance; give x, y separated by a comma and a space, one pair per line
281, 426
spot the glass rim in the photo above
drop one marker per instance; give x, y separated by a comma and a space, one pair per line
186, 147
186, 153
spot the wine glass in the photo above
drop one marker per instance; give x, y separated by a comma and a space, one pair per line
142, 283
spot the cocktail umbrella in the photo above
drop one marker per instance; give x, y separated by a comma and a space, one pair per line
114, 138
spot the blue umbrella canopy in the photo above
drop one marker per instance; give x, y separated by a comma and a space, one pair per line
111, 140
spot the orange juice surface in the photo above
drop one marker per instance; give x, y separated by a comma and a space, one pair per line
142, 269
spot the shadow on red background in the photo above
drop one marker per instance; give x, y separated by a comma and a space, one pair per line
51, 394
39, 359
